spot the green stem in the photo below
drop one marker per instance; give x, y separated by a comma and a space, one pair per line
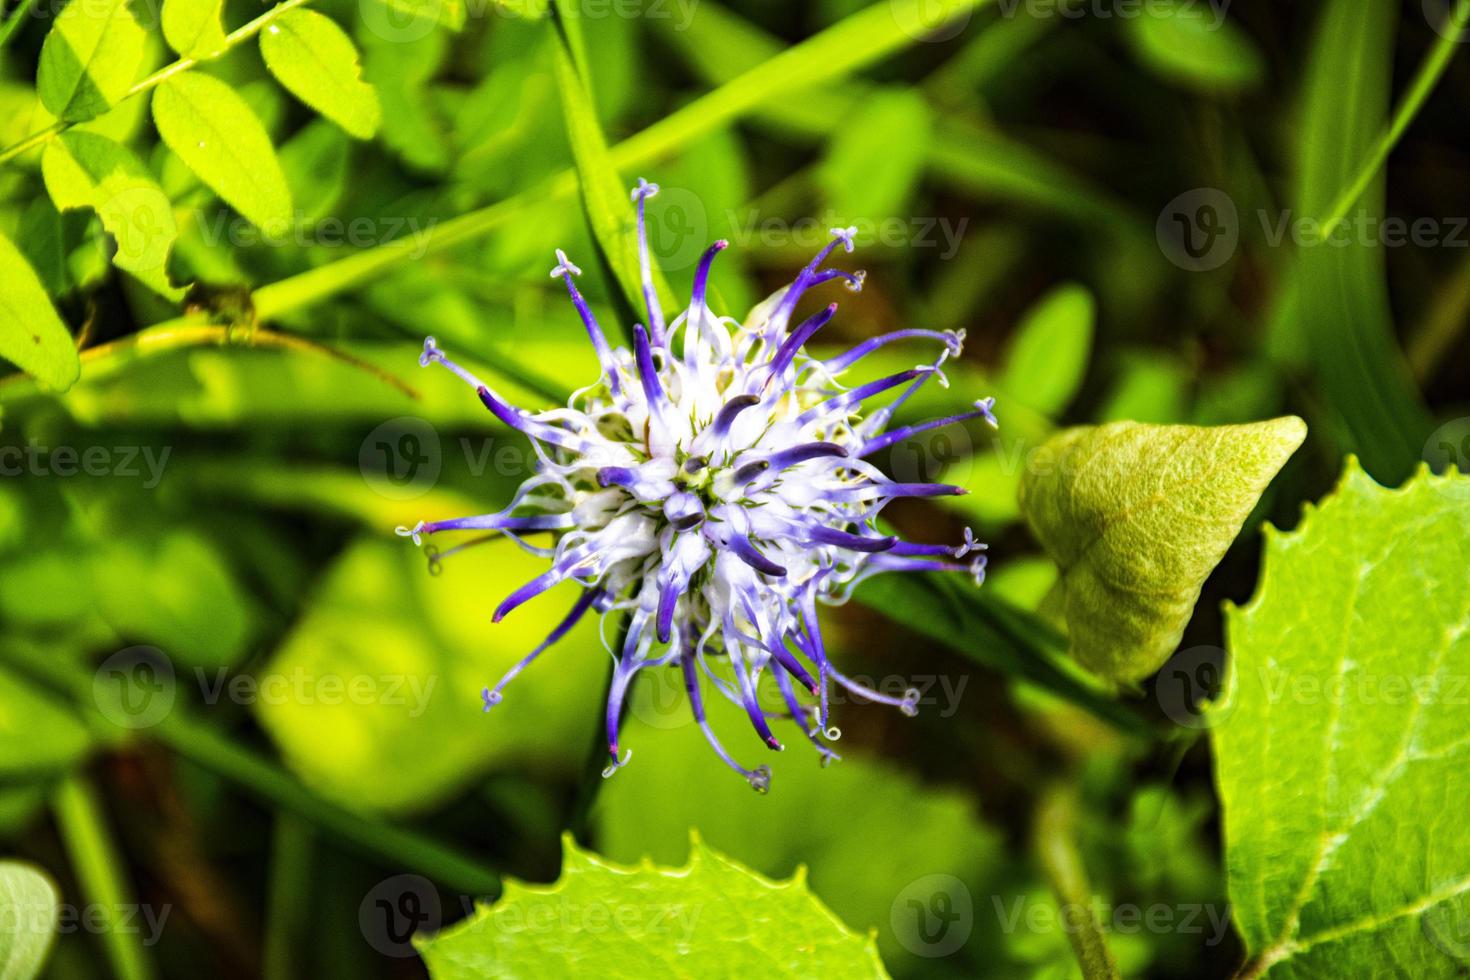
203, 745
288, 903
1056, 849
17, 17
98, 869
157, 78
1442, 324
842, 48
1419, 91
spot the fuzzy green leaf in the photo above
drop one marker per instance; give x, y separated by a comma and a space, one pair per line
31, 907
84, 170
1346, 687
90, 59
318, 63
194, 28
215, 134
1198, 45
1136, 516
32, 336
712, 918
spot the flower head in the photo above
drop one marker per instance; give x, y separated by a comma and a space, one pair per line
714, 484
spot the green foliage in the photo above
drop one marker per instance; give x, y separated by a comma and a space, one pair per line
1047, 357
318, 63
215, 133
90, 59
1198, 45
874, 163
1346, 689
710, 918
194, 28
32, 907
1136, 516
84, 170
31, 334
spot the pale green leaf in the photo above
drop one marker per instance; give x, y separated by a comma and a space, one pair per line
90, 59
1197, 44
32, 336
31, 907
194, 28
84, 170
1048, 355
1340, 745
712, 918
213, 131
876, 158
1136, 517
317, 62
420, 649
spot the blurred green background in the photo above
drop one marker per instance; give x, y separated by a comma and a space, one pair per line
1117, 201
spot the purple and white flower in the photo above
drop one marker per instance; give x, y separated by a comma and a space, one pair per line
714, 485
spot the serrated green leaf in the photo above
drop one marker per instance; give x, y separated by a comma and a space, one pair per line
1136, 517
194, 28
32, 907
89, 59
318, 63
604, 193
1048, 356
712, 918
215, 134
32, 336
1340, 745
1197, 44
84, 170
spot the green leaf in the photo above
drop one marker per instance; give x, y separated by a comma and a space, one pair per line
1340, 745
317, 62
32, 336
1196, 44
90, 59
1344, 307
422, 648
38, 735
1136, 517
875, 160
31, 906
604, 193
1048, 356
194, 28
84, 170
711, 918
213, 131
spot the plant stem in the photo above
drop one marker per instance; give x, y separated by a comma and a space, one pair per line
288, 903
1419, 91
98, 869
203, 745
1056, 849
17, 17
157, 78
